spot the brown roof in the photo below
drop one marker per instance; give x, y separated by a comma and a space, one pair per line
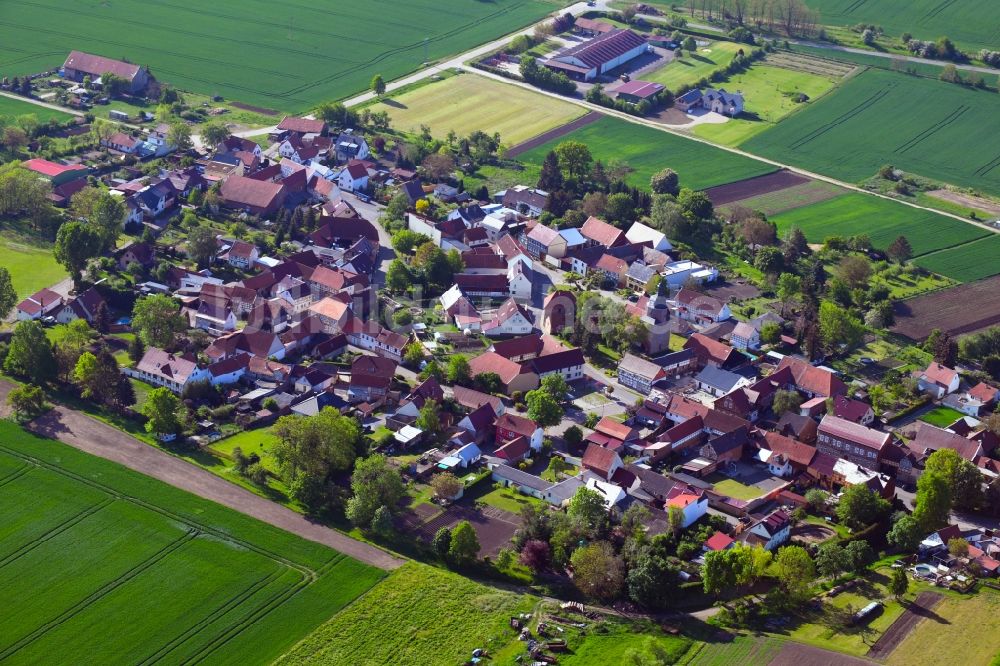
699, 302
509, 308
356, 170
492, 362
708, 349
301, 125
605, 48
599, 459
794, 450
163, 364
611, 264
608, 426
522, 346
38, 301
373, 366
852, 410
810, 378
983, 392
243, 191
602, 233
854, 432
519, 424
494, 282
640, 366
932, 438
96, 65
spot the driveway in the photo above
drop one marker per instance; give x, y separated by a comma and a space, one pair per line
96, 438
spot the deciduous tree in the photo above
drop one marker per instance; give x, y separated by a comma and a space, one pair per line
27, 400
575, 158
464, 547
374, 484
860, 506
76, 243
446, 485
665, 181
8, 295
597, 572
157, 319
201, 245
30, 354
161, 410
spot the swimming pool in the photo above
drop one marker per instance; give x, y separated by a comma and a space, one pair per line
924, 569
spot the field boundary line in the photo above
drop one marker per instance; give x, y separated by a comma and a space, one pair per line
236, 628
932, 130
736, 151
105, 590
219, 612
56, 530
152, 507
17, 473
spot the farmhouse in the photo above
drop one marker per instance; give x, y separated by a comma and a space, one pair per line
717, 101
598, 56
938, 380
162, 368
80, 65
638, 373
843, 439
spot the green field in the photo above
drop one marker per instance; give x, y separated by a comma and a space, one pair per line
973, 23
942, 417
768, 92
689, 69
647, 150
882, 220
873, 119
257, 441
127, 570
468, 102
16, 107
31, 265
418, 615
277, 55
745, 650
966, 263
969, 622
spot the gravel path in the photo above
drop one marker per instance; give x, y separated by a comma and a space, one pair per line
92, 436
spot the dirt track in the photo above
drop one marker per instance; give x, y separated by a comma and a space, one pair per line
82, 432
904, 624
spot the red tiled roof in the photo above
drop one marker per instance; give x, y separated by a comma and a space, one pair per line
515, 449
356, 170
810, 378
51, 169
99, 65
718, 541
852, 410
605, 48
301, 125
603, 233
608, 426
794, 450
854, 432
492, 362
519, 424
939, 374
983, 392
38, 301
708, 349
250, 192
599, 459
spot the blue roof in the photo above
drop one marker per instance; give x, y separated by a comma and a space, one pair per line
690, 96
572, 236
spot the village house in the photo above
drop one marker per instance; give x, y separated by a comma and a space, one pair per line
525, 200
975, 402
938, 380
601, 461
844, 439
510, 426
353, 177
810, 380
42, 303
692, 503
770, 532
84, 306
240, 254
852, 410
700, 308
258, 197
638, 373
371, 377
745, 336
511, 318
161, 368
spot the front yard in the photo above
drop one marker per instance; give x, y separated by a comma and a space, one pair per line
942, 417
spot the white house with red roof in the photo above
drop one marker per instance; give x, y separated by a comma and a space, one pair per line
353, 177
161, 368
510, 319
692, 503
938, 380
42, 303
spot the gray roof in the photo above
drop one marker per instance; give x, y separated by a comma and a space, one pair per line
717, 378
522, 478
565, 489
641, 272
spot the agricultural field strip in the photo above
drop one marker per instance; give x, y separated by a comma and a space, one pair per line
737, 151
30, 460
303, 575
303, 80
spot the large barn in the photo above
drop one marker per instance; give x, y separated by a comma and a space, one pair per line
79, 65
600, 55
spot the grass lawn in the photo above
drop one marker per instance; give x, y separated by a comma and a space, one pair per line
16, 107
905, 286
88, 543
882, 220
417, 615
770, 93
297, 59
142, 390
734, 488
647, 150
468, 102
619, 643
969, 625
30, 263
257, 441
690, 68
508, 499
870, 121
942, 416
966, 263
